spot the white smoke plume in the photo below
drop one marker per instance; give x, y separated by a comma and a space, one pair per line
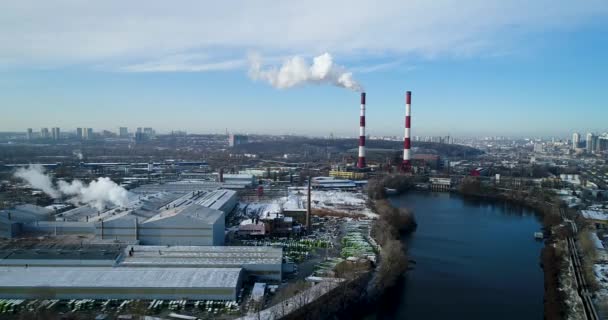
98, 193
297, 71
34, 175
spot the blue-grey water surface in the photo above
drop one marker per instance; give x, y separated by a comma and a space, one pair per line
475, 259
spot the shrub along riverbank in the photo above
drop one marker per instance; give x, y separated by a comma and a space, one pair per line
387, 230
366, 285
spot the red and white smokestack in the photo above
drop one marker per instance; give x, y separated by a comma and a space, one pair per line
407, 153
361, 160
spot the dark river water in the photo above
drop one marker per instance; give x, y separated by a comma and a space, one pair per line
474, 260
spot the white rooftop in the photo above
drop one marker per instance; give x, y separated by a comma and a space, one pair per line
119, 277
202, 255
595, 215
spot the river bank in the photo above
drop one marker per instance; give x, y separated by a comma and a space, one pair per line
460, 255
365, 287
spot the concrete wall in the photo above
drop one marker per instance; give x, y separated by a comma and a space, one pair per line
176, 230
9, 229
118, 229
59, 227
219, 228
56, 263
269, 272
228, 294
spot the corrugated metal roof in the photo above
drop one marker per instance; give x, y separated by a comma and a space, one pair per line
202, 255
100, 277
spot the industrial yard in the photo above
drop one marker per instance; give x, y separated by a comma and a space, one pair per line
202, 246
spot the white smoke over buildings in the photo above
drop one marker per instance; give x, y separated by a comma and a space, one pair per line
34, 175
98, 193
297, 71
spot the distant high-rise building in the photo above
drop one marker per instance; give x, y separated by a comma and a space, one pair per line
56, 133
602, 143
149, 132
595, 145
44, 133
30, 134
236, 139
576, 140
87, 133
589, 142
123, 132
79, 133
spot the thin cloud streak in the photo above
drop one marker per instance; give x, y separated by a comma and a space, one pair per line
381, 67
186, 67
66, 32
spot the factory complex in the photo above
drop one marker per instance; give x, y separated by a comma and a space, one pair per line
187, 234
166, 243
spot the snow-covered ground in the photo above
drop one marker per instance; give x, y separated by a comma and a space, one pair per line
339, 201
601, 274
342, 201
248, 210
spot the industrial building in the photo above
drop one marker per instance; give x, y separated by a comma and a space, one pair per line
237, 139
12, 220
196, 218
201, 182
431, 160
120, 283
332, 183
259, 263
161, 218
440, 184
32, 255
75, 267
191, 225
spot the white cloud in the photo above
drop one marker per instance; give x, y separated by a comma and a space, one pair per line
64, 32
380, 67
185, 63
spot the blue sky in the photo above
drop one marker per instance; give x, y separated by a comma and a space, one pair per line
475, 68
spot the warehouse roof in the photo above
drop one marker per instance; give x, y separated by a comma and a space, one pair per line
108, 277
216, 199
202, 255
108, 253
196, 211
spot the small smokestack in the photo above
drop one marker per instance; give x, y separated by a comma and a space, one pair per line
407, 156
221, 175
361, 160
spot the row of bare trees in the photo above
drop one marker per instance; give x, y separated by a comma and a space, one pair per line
387, 231
376, 187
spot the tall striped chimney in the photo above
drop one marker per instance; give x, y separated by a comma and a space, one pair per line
361, 161
407, 153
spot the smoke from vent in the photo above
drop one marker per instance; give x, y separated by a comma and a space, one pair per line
98, 193
34, 175
297, 71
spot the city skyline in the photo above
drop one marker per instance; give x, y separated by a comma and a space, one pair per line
130, 132
514, 69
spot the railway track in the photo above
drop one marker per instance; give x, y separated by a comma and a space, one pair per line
581, 284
